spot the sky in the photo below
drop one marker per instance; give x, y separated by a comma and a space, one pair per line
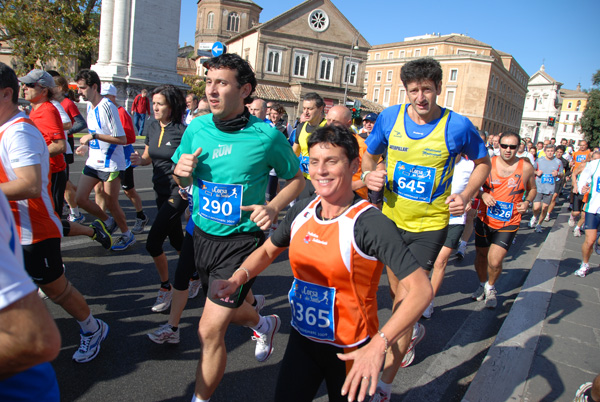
563, 35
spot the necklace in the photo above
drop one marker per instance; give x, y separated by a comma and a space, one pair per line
333, 217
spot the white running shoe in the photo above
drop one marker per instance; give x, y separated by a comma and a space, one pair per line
260, 303
122, 243
571, 221
490, 298
479, 294
539, 229
580, 395
462, 250
428, 311
533, 222
90, 343
163, 334
194, 288
140, 224
583, 270
264, 342
547, 218
417, 336
76, 219
380, 396
577, 231
163, 300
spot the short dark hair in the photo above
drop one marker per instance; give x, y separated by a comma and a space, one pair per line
174, 99
336, 135
510, 134
193, 95
244, 72
8, 79
420, 70
90, 77
561, 147
313, 96
278, 108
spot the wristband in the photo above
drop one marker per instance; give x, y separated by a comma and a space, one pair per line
364, 175
93, 136
247, 275
382, 335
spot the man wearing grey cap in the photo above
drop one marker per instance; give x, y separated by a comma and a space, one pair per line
37, 87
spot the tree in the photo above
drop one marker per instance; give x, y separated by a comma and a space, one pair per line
590, 120
196, 83
41, 31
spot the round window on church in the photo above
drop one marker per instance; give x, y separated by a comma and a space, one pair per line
318, 20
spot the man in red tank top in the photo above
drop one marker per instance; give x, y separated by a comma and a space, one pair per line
499, 214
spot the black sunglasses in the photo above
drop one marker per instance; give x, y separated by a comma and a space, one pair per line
30, 85
504, 146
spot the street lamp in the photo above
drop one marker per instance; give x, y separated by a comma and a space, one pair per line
353, 45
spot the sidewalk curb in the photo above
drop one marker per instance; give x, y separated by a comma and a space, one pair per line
504, 371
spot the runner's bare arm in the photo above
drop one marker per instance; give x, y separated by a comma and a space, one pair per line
375, 180
27, 185
458, 202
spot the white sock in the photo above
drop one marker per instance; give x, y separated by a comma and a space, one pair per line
262, 326
577, 227
482, 283
89, 325
196, 399
75, 211
387, 388
488, 286
108, 223
128, 234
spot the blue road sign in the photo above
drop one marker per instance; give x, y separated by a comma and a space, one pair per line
218, 49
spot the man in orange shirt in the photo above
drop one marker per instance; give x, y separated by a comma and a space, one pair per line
499, 214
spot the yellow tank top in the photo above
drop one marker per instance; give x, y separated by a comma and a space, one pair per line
419, 174
302, 141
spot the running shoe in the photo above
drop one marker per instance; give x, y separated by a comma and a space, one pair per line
123, 243
76, 218
101, 235
462, 250
479, 294
490, 298
90, 343
571, 221
140, 224
577, 231
582, 393
532, 222
194, 288
539, 229
260, 303
428, 311
583, 270
547, 218
163, 334
163, 300
380, 396
596, 245
264, 342
417, 336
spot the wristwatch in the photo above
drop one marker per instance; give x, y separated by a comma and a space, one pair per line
93, 136
363, 175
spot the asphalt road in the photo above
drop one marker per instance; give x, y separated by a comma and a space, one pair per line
121, 287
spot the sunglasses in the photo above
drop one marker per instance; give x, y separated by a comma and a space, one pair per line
30, 85
504, 146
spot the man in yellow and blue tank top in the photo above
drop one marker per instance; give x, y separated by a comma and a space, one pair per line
422, 141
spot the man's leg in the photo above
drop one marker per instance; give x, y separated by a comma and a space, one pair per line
68, 297
111, 189
439, 269
84, 188
142, 123
495, 257
211, 332
537, 207
544, 211
481, 263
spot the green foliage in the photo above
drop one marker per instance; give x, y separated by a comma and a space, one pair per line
196, 83
44, 30
590, 120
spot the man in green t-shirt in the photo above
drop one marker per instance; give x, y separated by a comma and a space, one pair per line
227, 156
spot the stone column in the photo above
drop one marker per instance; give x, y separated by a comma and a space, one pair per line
106, 32
120, 39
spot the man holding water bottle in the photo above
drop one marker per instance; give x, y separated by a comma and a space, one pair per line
499, 214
